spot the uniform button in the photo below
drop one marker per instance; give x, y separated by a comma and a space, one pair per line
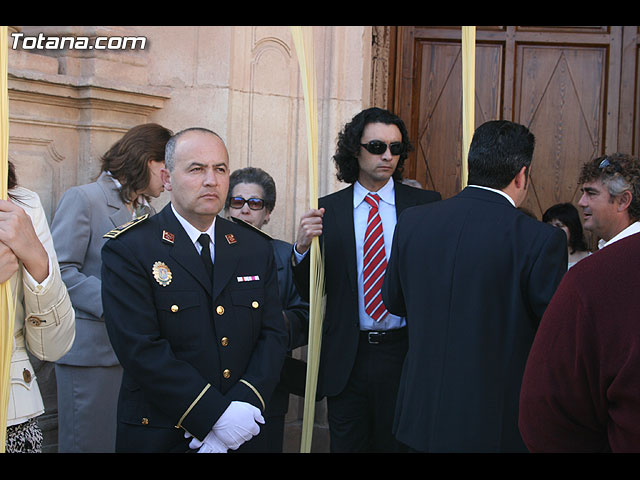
174, 308
224, 341
26, 375
226, 373
35, 321
255, 304
145, 421
219, 309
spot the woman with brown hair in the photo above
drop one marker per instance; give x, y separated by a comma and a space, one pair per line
88, 377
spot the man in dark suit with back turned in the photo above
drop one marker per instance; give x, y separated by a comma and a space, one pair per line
363, 347
473, 275
195, 320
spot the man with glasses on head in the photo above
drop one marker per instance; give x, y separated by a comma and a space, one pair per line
580, 391
251, 200
363, 346
611, 197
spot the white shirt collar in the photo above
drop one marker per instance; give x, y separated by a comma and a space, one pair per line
630, 230
386, 193
192, 231
497, 191
141, 199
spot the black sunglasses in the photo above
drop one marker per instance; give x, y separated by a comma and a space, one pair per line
254, 203
378, 147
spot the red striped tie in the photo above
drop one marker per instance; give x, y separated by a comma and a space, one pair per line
375, 262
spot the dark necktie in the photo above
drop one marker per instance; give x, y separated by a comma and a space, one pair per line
205, 254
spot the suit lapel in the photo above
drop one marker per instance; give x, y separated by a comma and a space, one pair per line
403, 200
343, 213
121, 213
182, 249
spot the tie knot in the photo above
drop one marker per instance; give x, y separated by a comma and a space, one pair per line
372, 199
204, 240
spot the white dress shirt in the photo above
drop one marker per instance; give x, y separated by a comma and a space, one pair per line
496, 191
194, 233
387, 211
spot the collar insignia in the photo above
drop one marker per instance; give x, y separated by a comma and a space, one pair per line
167, 236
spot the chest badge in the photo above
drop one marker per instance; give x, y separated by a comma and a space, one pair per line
162, 274
230, 238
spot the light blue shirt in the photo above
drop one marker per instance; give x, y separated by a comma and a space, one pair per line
194, 233
387, 211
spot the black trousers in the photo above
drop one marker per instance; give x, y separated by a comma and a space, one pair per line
361, 416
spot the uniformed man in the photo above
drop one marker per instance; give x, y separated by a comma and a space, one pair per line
195, 320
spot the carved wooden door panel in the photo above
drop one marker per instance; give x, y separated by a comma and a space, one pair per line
574, 87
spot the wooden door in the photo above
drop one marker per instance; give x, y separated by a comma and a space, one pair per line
576, 88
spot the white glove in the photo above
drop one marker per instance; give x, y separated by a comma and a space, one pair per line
211, 443
237, 424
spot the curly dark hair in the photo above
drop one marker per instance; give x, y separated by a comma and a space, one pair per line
619, 172
349, 139
259, 177
568, 214
128, 158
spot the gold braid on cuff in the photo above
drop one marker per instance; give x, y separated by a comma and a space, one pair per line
193, 404
242, 380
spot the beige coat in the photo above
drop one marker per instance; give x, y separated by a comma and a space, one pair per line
44, 320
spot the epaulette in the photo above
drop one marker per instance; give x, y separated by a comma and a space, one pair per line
123, 228
251, 227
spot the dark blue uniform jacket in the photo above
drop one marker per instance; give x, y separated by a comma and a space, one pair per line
189, 348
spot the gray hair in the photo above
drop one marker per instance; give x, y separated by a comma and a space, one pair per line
616, 184
256, 176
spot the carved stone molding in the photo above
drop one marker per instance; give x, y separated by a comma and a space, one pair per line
380, 45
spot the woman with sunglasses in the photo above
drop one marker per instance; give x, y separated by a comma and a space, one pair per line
252, 198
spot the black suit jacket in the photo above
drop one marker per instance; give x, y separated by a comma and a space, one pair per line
473, 275
189, 348
341, 325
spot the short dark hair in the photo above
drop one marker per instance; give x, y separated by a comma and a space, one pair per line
569, 216
619, 172
128, 159
499, 149
349, 139
169, 160
259, 177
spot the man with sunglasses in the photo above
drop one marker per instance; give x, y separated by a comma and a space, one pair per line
251, 199
473, 274
363, 346
192, 311
610, 198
